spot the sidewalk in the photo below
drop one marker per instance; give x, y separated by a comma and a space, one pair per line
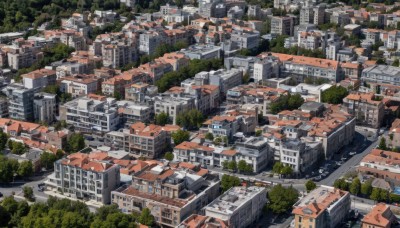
90, 203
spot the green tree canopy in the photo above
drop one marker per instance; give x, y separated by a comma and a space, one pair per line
146, 218
161, 119
334, 95
191, 119
281, 199
366, 188
28, 193
310, 185
355, 186
209, 136
76, 142
180, 136
169, 156
25, 169
228, 182
382, 144
286, 102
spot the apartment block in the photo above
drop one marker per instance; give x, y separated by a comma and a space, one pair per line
44, 107
172, 195
301, 67
22, 54
39, 78
323, 207
282, 26
81, 177
201, 51
118, 54
137, 92
87, 114
254, 151
20, 102
199, 221
4, 107
131, 112
265, 69
245, 40
381, 74
173, 105
79, 85
224, 79
239, 206
368, 110
140, 140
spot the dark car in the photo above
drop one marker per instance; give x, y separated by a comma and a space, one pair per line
1, 194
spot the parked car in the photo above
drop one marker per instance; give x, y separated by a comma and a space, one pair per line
352, 153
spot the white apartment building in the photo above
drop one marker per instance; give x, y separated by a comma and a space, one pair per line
88, 115
80, 177
240, 207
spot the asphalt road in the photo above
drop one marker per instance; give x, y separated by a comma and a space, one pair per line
348, 165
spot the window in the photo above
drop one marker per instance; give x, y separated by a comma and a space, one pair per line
300, 218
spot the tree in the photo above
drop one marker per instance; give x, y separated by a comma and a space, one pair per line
278, 166
225, 164
180, 136
28, 193
228, 182
366, 188
6, 170
334, 95
209, 136
47, 160
382, 144
286, 102
355, 186
18, 148
217, 141
242, 166
384, 195
341, 184
232, 165
169, 156
375, 194
396, 63
287, 170
281, 199
76, 142
25, 169
146, 218
258, 132
161, 119
191, 119
3, 140
310, 185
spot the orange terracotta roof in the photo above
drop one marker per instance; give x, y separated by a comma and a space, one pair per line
378, 216
193, 145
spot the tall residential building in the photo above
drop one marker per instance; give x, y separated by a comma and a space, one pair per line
265, 69
118, 54
20, 101
22, 53
88, 114
172, 195
240, 207
367, 110
173, 105
323, 207
82, 177
282, 26
44, 107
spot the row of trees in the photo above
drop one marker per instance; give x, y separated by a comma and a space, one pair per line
195, 66
190, 120
65, 213
242, 166
366, 190
11, 168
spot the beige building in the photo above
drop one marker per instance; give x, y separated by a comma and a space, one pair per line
39, 78
79, 85
171, 194
282, 26
379, 217
140, 140
323, 207
368, 110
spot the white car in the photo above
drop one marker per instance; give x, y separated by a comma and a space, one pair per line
352, 153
